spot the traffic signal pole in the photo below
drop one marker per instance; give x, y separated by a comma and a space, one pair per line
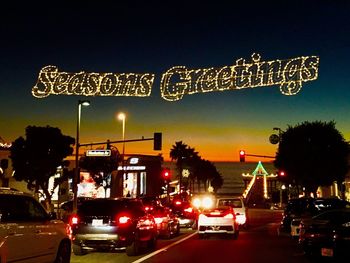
263, 156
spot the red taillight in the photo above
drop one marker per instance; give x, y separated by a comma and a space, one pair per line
74, 220
215, 213
202, 216
148, 208
158, 220
124, 220
188, 209
145, 223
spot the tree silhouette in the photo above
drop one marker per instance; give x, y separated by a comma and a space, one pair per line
313, 154
36, 158
201, 170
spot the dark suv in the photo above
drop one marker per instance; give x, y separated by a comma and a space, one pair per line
113, 223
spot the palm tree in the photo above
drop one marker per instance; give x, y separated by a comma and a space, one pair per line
178, 153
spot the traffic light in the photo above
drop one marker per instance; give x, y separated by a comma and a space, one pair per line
281, 173
157, 141
242, 156
166, 174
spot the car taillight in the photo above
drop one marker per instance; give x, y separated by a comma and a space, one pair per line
74, 220
215, 213
124, 220
229, 216
178, 203
241, 219
202, 216
145, 223
158, 220
188, 209
148, 208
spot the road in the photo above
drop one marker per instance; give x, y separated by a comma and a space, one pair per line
259, 243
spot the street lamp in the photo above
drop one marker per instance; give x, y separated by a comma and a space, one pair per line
122, 117
283, 187
76, 175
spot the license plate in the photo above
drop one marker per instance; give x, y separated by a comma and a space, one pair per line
97, 222
327, 252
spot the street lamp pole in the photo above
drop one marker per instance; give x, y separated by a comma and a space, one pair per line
77, 170
121, 116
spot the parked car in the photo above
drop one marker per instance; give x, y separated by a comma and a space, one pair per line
237, 203
295, 207
327, 234
303, 208
107, 223
28, 233
186, 212
168, 225
220, 220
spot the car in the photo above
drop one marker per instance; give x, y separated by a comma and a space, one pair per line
327, 234
66, 208
303, 208
186, 212
221, 220
28, 233
295, 208
237, 203
150, 202
113, 223
168, 225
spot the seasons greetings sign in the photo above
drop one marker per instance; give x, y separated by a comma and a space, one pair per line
179, 80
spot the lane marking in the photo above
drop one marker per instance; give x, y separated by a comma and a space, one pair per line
163, 249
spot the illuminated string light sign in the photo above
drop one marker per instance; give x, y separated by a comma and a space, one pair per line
289, 74
51, 81
178, 81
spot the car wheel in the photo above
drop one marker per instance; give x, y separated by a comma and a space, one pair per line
194, 226
235, 235
177, 230
78, 250
133, 249
167, 234
152, 243
63, 253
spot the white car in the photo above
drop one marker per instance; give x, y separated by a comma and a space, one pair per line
28, 234
220, 220
237, 203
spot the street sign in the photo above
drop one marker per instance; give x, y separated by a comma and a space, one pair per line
101, 153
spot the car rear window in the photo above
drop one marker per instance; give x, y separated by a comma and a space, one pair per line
106, 207
235, 203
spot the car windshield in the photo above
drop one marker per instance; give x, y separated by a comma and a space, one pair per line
335, 216
236, 203
297, 206
326, 204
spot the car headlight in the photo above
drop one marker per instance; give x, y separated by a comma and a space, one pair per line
207, 202
196, 202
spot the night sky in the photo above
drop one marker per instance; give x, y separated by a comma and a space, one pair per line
135, 37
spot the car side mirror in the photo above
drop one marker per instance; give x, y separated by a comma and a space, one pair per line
52, 215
